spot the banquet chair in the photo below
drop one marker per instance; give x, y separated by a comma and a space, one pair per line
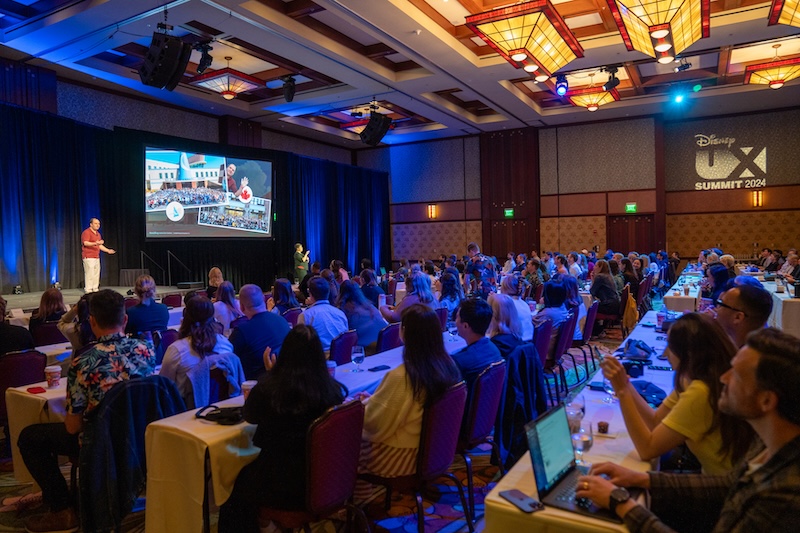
342, 346
219, 389
131, 302
480, 418
172, 300
162, 340
527, 292
291, 315
333, 447
388, 338
47, 333
563, 342
538, 294
441, 423
443, 314
112, 457
18, 369
588, 327
391, 289
617, 318
542, 339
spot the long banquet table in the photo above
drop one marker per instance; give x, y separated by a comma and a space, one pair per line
183, 452
502, 516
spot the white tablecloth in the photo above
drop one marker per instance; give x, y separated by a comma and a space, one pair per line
785, 310
25, 409
503, 517
682, 301
181, 450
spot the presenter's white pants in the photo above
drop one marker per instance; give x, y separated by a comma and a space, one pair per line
91, 274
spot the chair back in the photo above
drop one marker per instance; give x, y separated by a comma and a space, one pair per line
342, 346
333, 447
441, 424
482, 408
47, 333
112, 459
238, 321
218, 389
527, 292
538, 294
623, 302
162, 340
291, 315
201, 293
18, 369
130, 302
642, 292
591, 318
565, 334
442, 313
388, 338
542, 335
391, 288
172, 300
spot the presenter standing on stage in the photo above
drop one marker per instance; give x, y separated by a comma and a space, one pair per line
300, 262
92, 245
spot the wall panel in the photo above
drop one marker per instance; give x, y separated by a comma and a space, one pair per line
429, 240
566, 234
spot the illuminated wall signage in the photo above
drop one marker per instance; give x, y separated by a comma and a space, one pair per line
724, 165
508, 212
631, 207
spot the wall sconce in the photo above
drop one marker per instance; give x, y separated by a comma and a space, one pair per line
758, 198
431, 211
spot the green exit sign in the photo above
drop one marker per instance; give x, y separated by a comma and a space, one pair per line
508, 212
630, 208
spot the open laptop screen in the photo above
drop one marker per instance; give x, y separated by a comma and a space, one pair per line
551, 448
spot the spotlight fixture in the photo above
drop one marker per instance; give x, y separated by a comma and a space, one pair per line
684, 65
561, 85
288, 88
613, 81
205, 57
17, 289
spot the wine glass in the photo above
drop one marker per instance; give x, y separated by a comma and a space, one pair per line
582, 440
452, 330
609, 388
357, 356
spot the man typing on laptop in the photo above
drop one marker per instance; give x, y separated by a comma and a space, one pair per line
762, 494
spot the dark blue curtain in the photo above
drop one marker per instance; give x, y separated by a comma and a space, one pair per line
342, 211
49, 167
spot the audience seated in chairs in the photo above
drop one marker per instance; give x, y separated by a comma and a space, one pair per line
147, 315
226, 306
327, 320
393, 420
296, 391
283, 297
361, 315
418, 285
201, 347
115, 358
74, 324
370, 287
51, 309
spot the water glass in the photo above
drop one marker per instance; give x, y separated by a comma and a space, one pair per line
582, 441
609, 388
357, 356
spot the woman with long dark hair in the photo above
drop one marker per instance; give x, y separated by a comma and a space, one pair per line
296, 390
451, 294
393, 418
630, 277
361, 315
283, 297
700, 352
226, 306
51, 308
370, 287
188, 361
419, 289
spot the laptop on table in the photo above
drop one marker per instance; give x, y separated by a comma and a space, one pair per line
554, 468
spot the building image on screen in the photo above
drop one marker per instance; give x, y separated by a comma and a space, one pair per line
190, 194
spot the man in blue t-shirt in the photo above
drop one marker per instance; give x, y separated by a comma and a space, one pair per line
472, 320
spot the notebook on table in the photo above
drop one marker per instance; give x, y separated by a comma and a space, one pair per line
554, 468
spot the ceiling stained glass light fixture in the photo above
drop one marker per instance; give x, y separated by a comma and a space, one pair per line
784, 12
592, 97
661, 29
227, 81
775, 73
529, 35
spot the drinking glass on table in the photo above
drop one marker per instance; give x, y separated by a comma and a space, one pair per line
576, 409
357, 356
582, 440
609, 388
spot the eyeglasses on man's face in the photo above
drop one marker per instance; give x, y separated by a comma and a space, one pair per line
719, 303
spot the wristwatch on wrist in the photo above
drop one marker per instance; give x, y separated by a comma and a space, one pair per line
618, 496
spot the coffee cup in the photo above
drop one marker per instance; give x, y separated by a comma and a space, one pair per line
53, 376
686, 290
660, 317
247, 386
331, 368
779, 288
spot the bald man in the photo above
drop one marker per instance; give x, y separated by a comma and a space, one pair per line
262, 329
91, 246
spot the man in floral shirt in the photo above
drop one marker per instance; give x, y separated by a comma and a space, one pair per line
113, 359
481, 268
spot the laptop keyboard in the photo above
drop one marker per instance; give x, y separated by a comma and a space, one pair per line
566, 492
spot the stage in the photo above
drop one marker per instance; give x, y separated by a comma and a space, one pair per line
29, 301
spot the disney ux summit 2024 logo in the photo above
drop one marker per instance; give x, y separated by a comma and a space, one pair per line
729, 167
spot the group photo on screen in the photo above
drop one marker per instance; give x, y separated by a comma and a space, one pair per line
189, 194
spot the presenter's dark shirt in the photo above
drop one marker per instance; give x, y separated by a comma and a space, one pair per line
251, 337
14, 338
